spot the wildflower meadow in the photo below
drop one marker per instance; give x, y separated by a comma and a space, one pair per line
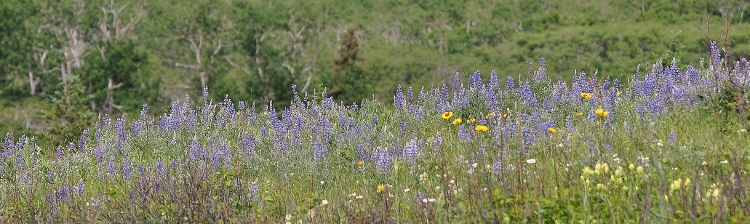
667, 145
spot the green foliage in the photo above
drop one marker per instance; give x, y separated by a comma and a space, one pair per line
117, 73
349, 82
274, 45
70, 113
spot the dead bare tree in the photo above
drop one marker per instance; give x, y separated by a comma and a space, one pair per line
200, 39
112, 29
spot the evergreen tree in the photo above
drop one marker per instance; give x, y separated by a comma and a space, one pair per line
349, 82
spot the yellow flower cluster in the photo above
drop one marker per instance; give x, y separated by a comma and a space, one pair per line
585, 95
714, 192
678, 184
477, 127
493, 114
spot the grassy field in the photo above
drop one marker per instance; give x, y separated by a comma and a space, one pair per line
671, 145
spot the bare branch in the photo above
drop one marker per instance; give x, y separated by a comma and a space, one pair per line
288, 67
235, 65
308, 69
186, 66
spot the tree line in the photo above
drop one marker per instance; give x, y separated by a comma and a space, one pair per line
83, 59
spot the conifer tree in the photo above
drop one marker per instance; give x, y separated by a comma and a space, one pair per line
349, 81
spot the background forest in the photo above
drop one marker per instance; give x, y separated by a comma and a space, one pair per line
64, 63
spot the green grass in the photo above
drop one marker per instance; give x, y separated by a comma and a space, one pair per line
195, 164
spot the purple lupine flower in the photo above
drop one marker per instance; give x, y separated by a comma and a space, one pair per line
99, 154
50, 175
481, 151
144, 112
263, 132
8, 142
161, 168
383, 160
136, 127
49, 198
62, 194
462, 134
398, 99
715, 55
475, 80
438, 139
21, 142
247, 144
527, 95
494, 83
195, 153
361, 152
225, 153
120, 131
319, 150
58, 153
205, 93
111, 167
410, 151
25, 177
82, 141
342, 121
497, 166
20, 162
71, 147
544, 126
510, 84
403, 126
672, 137
253, 189
527, 135
456, 82
80, 188
127, 168
375, 121
241, 106
569, 125
547, 104
491, 99
443, 96
409, 95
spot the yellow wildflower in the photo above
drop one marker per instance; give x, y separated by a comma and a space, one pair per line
447, 115
481, 128
471, 120
552, 130
601, 112
579, 114
361, 163
585, 95
490, 115
381, 187
457, 121
600, 186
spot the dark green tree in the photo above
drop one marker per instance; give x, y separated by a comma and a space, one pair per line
70, 113
115, 79
349, 82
